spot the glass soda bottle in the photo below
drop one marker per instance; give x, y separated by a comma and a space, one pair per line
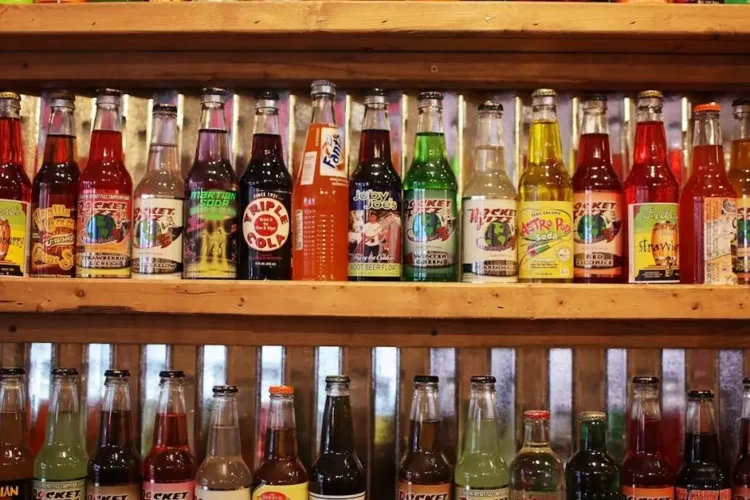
16, 460
159, 203
536, 472
375, 200
701, 475
223, 475
489, 205
15, 189
424, 471
114, 471
105, 198
598, 201
212, 204
266, 200
430, 191
545, 190
321, 196
481, 472
337, 473
60, 467
281, 473
651, 196
169, 467
54, 199
708, 207
741, 471
645, 473
739, 176
592, 473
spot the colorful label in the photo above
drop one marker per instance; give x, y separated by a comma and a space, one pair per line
375, 233
430, 228
653, 241
631, 493
740, 492
411, 491
332, 162
356, 496
598, 234
719, 233
210, 249
536, 495
16, 490
53, 240
545, 248
742, 264
469, 493
73, 489
168, 491
686, 494
279, 492
157, 237
120, 492
207, 494
14, 217
266, 231
490, 250
103, 241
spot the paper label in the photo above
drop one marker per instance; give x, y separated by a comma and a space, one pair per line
653, 241
490, 250
207, 494
168, 491
375, 233
120, 492
719, 232
281, 492
740, 493
14, 219
210, 249
308, 168
317, 496
742, 264
73, 489
157, 237
19, 489
332, 163
686, 494
411, 491
631, 493
469, 493
53, 239
103, 234
430, 228
598, 235
545, 248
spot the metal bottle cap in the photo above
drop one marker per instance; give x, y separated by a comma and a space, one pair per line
544, 97
322, 87
491, 106
375, 96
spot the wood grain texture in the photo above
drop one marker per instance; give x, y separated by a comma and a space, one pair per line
130, 357
589, 380
357, 363
242, 371
14, 355
702, 369
299, 372
532, 384
471, 361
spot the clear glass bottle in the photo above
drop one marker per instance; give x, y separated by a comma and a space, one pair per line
16, 459
739, 176
536, 472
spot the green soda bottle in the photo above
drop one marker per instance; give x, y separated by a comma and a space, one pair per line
481, 472
430, 211
60, 467
592, 473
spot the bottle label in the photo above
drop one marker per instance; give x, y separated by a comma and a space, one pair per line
430, 228
490, 250
598, 236
19, 489
686, 494
157, 237
53, 240
411, 491
13, 237
469, 493
168, 491
546, 240
211, 236
332, 162
719, 232
73, 489
375, 233
739, 493
742, 264
103, 240
120, 492
280, 492
631, 493
356, 496
208, 494
653, 243
536, 495
266, 232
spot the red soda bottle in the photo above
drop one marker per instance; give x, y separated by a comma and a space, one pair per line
708, 207
741, 471
169, 467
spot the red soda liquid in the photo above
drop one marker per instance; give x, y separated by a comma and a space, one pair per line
169, 465
645, 465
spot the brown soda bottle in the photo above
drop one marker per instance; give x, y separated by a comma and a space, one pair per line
281, 475
115, 468
16, 462
741, 471
337, 473
739, 176
15, 189
424, 471
169, 467
105, 198
54, 199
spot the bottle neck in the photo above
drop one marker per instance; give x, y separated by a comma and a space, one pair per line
281, 436
60, 146
323, 110
645, 419
115, 424
481, 428
266, 138
489, 153
106, 139
545, 145
171, 421
536, 433
375, 143
701, 443
425, 419
593, 436
213, 140
430, 140
708, 154
162, 152
13, 411
224, 435
742, 126
338, 428
64, 425
11, 146
650, 142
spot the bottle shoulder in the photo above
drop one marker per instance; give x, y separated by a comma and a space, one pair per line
222, 473
281, 472
430, 174
214, 173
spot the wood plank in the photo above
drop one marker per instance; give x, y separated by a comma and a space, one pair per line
643, 362
14, 354
357, 363
702, 370
242, 371
589, 385
299, 372
532, 367
130, 357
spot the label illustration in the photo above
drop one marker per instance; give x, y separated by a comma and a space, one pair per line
278, 492
53, 240
742, 263
332, 162
719, 233
316, 496
210, 249
74, 489
265, 221
598, 234
430, 228
168, 491
375, 233
545, 240
490, 245
15, 490
103, 235
122, 492
411, 491
630, 493
13, 237
740, 492
207, 494
157, 237
653, 241
468, 493
685, 494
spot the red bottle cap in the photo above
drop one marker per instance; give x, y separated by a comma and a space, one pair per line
536, 414
711, 106
281, 389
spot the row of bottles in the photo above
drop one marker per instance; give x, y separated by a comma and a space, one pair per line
327, 225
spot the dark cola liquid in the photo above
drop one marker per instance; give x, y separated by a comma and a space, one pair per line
265, 208
741, 471
169, 460
701, 469
280, 465
116, 461
424, 462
